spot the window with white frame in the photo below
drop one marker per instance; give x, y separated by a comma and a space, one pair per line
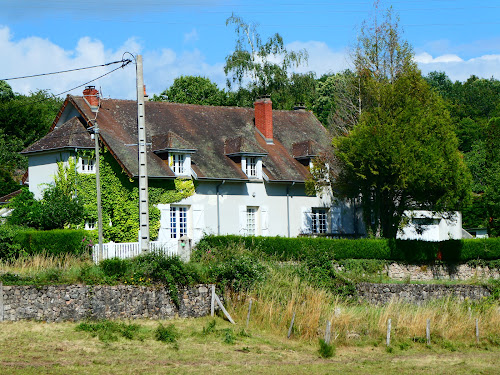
252, 221
177, 163
178, 221
251, 166
90, 224
87, 165
319, 221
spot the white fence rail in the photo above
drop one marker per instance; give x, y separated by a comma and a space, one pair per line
131, 249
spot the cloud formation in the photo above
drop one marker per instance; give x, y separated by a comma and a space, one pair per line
36, 55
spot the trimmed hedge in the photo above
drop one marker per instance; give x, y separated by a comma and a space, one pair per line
54, 242
285, 249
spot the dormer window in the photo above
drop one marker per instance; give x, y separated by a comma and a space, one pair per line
180, 163
87, 165
252, 166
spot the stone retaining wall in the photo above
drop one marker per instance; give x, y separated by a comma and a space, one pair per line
418, 293
76, 302
400, 271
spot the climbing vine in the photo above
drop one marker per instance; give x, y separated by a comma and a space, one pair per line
120, 197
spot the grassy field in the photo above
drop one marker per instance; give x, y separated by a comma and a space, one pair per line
58, 348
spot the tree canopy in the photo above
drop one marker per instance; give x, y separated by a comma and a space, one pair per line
193, 90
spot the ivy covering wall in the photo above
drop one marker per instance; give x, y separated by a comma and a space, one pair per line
120, 197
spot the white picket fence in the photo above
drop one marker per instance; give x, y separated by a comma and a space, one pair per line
131, 249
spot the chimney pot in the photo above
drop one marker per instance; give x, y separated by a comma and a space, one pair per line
264, 117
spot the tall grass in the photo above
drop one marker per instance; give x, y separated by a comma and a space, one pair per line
354, 322
33, 264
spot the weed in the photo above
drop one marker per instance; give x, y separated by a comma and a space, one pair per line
326, 350
228, 336
210, 328
168, 334
107, 330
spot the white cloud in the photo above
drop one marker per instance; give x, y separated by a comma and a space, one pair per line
36, 55
459, 69
322, 59
190, 37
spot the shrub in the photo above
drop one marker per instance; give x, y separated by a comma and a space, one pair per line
107, 330
326, 350
296, 249
54, 242
9, 248
114, 268
238, 273
167, 334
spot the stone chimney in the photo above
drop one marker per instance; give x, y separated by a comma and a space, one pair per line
264, 117
91, 96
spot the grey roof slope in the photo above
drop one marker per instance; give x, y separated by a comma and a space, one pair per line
72, 134
209, 130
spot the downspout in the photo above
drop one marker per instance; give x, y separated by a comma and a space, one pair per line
288, 207
218, 209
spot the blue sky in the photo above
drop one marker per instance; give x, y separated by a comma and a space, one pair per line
191, 38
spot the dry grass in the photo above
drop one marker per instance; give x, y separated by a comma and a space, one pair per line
33, 264
283, 294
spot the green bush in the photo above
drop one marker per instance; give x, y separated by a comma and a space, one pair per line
9, 248
114, 268
296, 249
55, 242
167, 334
238, 273
326, 350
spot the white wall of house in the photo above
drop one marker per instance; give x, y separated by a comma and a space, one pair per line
42, 168
267, 201
431, 226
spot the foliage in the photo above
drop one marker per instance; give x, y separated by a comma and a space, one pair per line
56, 210
8, 246
238, 273
54, 242
120, 195
193, 90
264, 64
168, 334
402, 155
326, 350
23, 120
221, 248
107, 330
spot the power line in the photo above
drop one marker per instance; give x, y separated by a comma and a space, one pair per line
124, 63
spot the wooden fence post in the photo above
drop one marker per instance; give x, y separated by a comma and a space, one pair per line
249, 309
428, 331
212, 304
477, 331
388, 341
291, 326
327, 332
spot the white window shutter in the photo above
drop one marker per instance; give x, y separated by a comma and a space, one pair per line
306, 227
198, 221
264, 221
164, 232
242, 231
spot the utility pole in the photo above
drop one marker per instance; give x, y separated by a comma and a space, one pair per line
98, 189
143, 168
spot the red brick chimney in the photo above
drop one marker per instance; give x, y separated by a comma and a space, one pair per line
264, 117
91, 95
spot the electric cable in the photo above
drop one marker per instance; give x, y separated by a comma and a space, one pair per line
66, 71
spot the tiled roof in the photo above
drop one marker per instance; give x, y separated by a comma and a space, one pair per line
72, 134
213, 132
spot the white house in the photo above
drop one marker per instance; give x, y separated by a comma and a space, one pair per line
250, 165
431, 226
